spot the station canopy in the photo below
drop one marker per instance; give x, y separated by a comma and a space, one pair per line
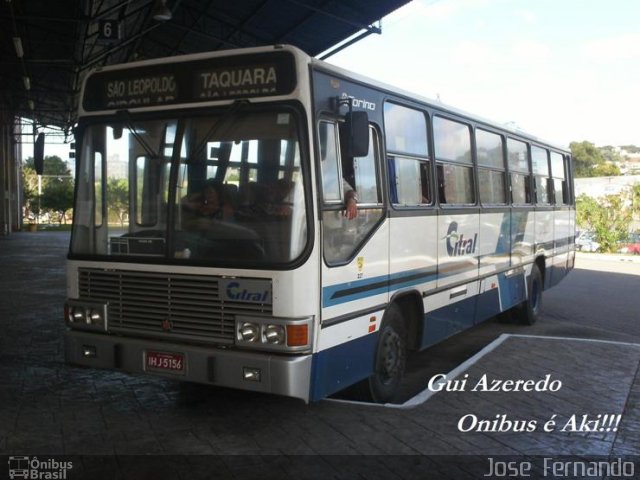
47, 47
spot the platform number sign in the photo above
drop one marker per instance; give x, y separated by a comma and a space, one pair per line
109, 30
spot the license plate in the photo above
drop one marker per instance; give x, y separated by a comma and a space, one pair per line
167, 362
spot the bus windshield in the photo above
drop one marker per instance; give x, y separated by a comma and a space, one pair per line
215, 189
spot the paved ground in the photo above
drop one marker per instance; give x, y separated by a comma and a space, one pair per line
101, 420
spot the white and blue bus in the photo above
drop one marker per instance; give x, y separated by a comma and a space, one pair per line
262, 220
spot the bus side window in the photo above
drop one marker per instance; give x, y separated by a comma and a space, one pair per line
455, 184
452, 142
491, 168
568, 194
559, 179
408, 161
540, 166
330, 163
410, 181
364, 178
518, 158
343, 236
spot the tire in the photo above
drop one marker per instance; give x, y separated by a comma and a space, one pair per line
390, 358
529, 311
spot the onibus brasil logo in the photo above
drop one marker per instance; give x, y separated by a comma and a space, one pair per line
33, 468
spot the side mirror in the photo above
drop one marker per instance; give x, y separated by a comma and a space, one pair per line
117, 132
38, 154
357, 130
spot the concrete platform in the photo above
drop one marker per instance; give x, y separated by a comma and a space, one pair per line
113, 425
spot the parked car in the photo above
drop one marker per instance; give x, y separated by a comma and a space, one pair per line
632, 246
586, 242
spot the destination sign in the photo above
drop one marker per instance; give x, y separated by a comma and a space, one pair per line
138, 92
242, 76
226, 82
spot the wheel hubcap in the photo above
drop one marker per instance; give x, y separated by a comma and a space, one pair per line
391, 356
535, 297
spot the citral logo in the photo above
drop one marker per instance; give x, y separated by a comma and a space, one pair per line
245, 291
457, 244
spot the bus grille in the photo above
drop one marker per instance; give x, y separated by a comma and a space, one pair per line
165, 305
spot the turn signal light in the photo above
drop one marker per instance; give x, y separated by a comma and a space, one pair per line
297, 335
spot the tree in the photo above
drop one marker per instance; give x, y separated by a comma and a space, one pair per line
605, 170
118, 199
30, 190
592, 161
635, 200
57, 196
610, 154
587, 211
585, 156
609, 217
630, 148
56, 184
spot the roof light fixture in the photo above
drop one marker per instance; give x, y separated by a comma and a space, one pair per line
27, 83
17, 43
160, 12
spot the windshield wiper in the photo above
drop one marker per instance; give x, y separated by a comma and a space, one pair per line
125, 117
234, 108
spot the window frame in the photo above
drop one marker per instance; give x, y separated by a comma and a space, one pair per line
539, 176
564, 186
440, 164
427, 120
333, 208
492, 168
424, 157
527, 175
377, 160
428, 164
336, 130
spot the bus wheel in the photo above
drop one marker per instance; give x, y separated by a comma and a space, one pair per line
530, 309
391, 357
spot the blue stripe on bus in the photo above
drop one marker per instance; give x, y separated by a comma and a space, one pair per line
358, 289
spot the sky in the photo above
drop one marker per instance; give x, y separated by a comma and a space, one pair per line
563, 70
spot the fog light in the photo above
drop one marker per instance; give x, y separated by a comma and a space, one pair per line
89, 351
274, 334
249, 332
94, 317
251, 374
77, 314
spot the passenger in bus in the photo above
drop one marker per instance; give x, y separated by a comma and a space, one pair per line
279, 203
266, 201
350, 200
209, 204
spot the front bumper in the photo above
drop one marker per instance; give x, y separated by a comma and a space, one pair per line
279, 374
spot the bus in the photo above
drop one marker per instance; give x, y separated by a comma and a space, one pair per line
259, 219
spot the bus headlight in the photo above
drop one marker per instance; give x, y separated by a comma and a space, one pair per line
249, 332
274, 334
86, 315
